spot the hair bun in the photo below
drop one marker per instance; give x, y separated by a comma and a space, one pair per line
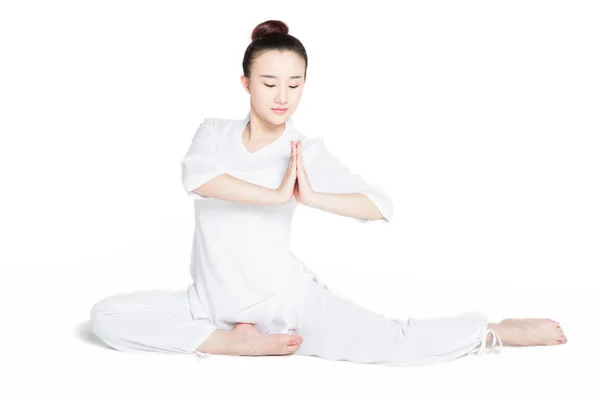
270, 27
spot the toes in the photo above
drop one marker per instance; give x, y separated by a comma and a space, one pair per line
562, 339
292, 343
290, 340
288, 345
297, 340
291, 349
284, 344
284, 339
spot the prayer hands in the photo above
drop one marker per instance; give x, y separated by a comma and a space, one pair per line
302, 190
285, 191
295, 182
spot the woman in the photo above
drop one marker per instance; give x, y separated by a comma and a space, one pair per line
250, 294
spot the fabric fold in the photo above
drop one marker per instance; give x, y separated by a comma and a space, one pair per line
200, 163
328, 174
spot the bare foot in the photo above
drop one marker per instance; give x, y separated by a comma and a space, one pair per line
246, 340
529, 332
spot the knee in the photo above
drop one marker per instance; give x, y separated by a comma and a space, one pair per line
100, 316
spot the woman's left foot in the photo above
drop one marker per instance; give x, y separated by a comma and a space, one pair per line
531, 332
246, 340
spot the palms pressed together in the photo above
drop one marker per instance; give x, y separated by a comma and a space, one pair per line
295, 183
302, 189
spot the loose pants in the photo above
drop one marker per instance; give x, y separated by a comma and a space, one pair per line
332, 327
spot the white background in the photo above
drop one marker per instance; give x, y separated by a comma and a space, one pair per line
480, 118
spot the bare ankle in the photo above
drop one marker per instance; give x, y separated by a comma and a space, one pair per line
508, 334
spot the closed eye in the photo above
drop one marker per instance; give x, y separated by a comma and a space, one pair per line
292, 87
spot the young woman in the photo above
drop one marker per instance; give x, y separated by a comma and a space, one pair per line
250, 294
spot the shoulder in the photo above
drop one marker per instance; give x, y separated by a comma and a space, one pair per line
222, 124
215, 126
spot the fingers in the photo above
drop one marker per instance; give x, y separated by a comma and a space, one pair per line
294, 156
292, 167
299, 159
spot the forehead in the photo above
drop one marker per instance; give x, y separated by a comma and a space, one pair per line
281, 64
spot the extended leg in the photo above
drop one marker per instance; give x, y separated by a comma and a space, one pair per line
335, 328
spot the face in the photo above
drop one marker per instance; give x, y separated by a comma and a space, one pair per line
276, 81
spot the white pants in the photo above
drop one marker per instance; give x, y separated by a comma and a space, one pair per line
331, 327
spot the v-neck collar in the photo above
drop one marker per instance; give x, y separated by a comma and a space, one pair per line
274, 143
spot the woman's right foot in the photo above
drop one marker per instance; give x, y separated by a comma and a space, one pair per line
529, 332
245, 340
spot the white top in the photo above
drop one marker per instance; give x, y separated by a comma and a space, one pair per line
241, 253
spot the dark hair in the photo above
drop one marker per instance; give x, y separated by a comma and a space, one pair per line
271, 35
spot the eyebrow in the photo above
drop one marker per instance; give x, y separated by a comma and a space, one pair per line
273, 76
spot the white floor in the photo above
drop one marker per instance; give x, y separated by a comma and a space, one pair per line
63, 357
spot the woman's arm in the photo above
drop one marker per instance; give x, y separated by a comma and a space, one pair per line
354, 205
227, 187
203, 175
342, 192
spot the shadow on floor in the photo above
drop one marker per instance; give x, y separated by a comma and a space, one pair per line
83, 331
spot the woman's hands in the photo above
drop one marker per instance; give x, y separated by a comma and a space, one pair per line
302, 190
285, 191
295, 182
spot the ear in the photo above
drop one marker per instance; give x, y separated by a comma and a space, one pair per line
245, 83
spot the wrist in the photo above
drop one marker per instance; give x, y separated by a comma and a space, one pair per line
277, 197
311, 200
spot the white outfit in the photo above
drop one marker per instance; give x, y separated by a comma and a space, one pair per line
244, 271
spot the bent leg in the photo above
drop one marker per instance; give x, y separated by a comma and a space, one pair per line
158, 320
336, 328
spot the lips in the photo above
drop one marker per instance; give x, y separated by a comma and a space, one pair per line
279, 109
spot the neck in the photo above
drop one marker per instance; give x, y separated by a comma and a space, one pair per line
259, 128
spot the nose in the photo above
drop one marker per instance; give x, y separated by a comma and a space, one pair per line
282, 95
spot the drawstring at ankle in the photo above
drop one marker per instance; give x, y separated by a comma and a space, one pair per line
483, 342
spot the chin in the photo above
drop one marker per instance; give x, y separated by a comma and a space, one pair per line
278, 119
